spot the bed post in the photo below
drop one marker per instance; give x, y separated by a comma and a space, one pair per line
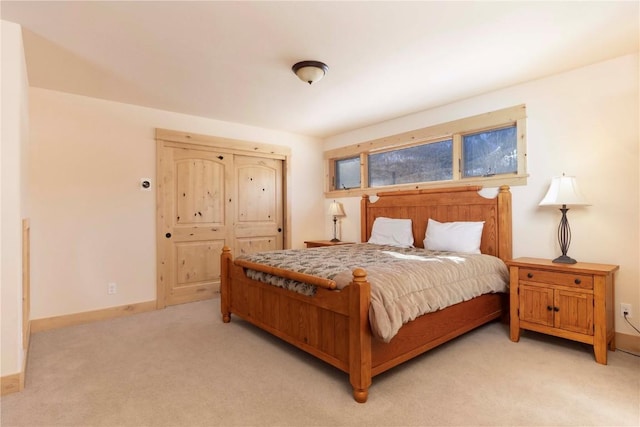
504, 224
225, 260
359, 335
364, 227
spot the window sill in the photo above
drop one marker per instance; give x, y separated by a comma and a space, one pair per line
486, 182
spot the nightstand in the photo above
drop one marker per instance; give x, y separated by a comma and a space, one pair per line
318, 243
573, 301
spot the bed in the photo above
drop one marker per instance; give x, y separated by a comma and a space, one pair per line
333, 325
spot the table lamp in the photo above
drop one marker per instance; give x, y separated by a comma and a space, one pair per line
564, 192
335, 210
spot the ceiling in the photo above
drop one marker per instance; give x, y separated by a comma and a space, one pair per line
232, 60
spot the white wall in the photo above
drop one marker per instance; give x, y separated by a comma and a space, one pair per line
90, 222
13, 198
583, 123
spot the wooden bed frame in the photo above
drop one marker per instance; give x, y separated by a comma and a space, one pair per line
334, 326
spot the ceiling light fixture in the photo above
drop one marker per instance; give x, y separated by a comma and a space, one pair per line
310, 71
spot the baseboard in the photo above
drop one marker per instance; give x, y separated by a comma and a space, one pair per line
628, 342
12, 383
15, 382
47, 323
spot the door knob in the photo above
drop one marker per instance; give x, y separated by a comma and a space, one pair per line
168, 235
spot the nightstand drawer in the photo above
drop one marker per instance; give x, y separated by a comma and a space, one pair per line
583, 281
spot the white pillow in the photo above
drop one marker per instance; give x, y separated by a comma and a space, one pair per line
394, 232
459, 236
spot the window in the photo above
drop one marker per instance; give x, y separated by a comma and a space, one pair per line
490, 153
422, 163
347, 173
487, 149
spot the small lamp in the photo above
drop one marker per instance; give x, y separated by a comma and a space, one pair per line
335, 210
564, 192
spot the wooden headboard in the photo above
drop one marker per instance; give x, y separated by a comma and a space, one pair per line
446, 205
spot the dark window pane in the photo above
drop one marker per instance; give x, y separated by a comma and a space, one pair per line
348, 173
422, 163
490, 153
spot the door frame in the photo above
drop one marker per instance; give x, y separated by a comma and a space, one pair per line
179, 139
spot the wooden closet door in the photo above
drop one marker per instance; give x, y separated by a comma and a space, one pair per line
194, 216
209, 198
258, 223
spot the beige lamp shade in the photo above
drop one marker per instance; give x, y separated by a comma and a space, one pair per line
564, 191
335, 209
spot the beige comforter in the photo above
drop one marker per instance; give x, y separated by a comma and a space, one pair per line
405, 283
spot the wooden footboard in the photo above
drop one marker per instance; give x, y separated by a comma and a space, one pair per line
334, 326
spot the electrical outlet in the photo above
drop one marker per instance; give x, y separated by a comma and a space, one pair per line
112, 288
626, 308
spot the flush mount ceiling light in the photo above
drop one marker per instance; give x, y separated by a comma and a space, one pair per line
310, 71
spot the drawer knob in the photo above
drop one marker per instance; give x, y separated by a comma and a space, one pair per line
577, 281
549, 308
556, 309
529, 275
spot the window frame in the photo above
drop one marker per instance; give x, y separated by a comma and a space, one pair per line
454, 130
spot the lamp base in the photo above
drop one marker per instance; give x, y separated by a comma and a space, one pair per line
564, 259
334, 240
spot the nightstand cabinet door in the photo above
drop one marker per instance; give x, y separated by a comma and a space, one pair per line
574, 312
557, 308
536, 304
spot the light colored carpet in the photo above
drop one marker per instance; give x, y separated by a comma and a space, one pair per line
183, 367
